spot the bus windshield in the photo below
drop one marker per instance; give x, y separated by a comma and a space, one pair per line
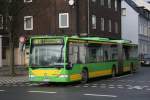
47, 55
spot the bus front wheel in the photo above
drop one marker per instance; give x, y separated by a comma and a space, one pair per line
84, 75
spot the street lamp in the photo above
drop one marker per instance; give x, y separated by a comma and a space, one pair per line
71, 2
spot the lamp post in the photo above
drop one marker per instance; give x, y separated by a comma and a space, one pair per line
76, 4
11, 39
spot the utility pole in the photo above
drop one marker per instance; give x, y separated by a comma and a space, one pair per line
11, 46
88, 12
11, 39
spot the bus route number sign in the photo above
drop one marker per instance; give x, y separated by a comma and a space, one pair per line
47, 41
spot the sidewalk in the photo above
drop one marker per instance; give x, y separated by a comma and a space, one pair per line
13, 80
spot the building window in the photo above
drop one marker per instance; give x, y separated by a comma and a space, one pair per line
1, 22
10, 1
123, 12
63, 20
3, 52
109, 3
102, 24
27, 0
109, 23
28, 23
93, 22
116, 27
102, 2
116, 5
93, 0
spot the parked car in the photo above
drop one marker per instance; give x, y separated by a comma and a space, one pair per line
145, 60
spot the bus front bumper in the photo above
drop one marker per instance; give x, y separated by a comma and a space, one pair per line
63, 78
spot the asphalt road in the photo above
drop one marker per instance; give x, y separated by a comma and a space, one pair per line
128, 87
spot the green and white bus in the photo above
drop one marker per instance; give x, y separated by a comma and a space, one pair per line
69, 59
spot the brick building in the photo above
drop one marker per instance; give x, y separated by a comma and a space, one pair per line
100, 18
57, 17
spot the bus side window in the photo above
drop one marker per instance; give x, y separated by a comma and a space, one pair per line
114, 52
133, 52
91, 54
126, 52
106, 55
82, 53
73, 52
100, 54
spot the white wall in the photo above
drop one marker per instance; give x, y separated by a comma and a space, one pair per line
130, 24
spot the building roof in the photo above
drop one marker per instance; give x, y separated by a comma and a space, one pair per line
141, 7
142, 3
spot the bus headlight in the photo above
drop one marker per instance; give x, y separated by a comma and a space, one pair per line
63, 76
31, 76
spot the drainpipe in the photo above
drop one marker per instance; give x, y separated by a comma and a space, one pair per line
77, 18
88, 18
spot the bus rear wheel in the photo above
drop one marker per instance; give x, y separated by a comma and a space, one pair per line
84, 75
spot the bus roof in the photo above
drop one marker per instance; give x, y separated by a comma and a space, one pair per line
121, 41
98, 39
125, 42
91, 38
72, 37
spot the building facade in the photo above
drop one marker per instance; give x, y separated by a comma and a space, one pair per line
94, 18
3, 32
58, 17
136, 23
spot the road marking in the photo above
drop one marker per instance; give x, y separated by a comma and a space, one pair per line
42, 92
130, 88
102, 86
93, 86
128, 85
98, 95
111, 87
120, 87
137, 87
124, 76
2, 90
85, 86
